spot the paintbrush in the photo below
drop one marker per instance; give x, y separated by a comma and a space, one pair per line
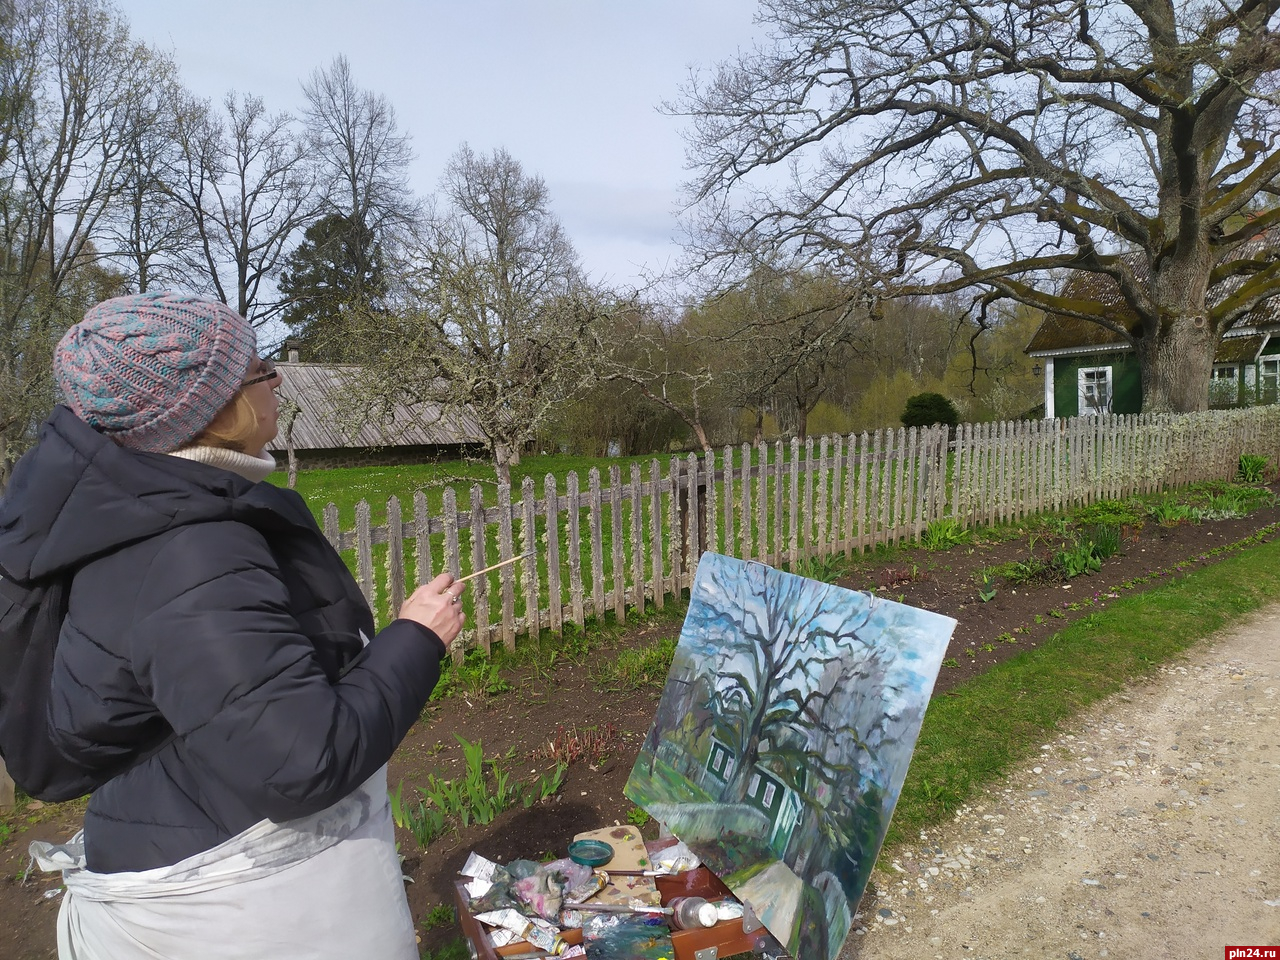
494, 566
617, 908
685, 912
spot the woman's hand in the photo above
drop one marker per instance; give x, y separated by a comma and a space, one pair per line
436, 606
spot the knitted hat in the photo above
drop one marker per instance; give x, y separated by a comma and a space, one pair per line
152, 370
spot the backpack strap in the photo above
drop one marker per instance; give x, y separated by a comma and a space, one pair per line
24, 597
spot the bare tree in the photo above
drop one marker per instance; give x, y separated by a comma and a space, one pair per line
668, 362
783, 336
948, 145
72, 82
364, 157
249, 186
148, 229
496, 318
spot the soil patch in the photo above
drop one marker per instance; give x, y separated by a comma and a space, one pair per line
546, 706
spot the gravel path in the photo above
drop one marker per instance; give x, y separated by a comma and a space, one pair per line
1149, 829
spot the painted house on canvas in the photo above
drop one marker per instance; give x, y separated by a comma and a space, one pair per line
766, 792
1090, 369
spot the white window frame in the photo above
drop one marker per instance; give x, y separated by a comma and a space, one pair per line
1083, 380
754, 785
1269, 373
770, 791
1225, 372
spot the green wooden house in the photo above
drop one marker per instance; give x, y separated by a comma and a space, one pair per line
765, 791
1089, 369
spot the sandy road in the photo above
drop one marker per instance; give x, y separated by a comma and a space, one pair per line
1149, 829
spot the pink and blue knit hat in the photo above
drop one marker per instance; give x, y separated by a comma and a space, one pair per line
152, 370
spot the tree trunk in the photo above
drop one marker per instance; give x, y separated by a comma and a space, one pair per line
736, 790
692, 421
1177, 366
1177, 360
290, 417
503, 462
701, 434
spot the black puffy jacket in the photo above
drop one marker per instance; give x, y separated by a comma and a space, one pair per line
210, 615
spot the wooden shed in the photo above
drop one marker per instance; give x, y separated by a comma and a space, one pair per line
332, 431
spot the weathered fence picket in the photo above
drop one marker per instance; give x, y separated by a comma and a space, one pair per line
596, 525
555, 601
479, 560
529, 546
573, 511
395, 557
506, 575
617, 572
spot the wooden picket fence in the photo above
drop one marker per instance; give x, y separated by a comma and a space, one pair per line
638, 539
627, 540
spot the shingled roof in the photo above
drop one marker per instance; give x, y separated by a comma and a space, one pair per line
1058, 333
324, 391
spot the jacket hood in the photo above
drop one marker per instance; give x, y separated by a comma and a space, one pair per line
77, 495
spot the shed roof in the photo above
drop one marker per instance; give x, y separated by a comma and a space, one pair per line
324, 393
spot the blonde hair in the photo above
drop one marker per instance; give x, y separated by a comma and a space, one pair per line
233, 427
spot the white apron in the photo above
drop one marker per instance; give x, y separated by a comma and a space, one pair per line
324, 887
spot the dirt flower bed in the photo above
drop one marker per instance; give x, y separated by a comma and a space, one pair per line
579, 717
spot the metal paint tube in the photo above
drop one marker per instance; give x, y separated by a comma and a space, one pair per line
522, 927
588, 888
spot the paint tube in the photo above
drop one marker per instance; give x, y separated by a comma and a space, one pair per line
539, 933
588, 888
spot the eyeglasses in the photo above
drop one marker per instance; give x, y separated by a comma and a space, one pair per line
271, 374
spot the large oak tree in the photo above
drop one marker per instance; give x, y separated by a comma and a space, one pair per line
944, 145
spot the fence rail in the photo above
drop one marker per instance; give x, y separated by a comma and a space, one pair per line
625, 540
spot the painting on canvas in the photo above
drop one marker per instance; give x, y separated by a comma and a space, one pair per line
783, 737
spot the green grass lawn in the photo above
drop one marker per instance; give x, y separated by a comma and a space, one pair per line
976, 733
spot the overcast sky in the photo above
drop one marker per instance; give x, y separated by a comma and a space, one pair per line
570, 88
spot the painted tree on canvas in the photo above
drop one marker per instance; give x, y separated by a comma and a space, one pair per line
788, 687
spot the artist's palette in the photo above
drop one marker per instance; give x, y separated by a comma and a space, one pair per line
629, 853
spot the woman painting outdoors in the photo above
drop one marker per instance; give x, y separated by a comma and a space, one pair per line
217, 653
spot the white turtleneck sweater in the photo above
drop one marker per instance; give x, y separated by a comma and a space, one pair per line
246, 465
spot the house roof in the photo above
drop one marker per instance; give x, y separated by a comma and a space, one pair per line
1240, 349
1058, 333
324, 391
